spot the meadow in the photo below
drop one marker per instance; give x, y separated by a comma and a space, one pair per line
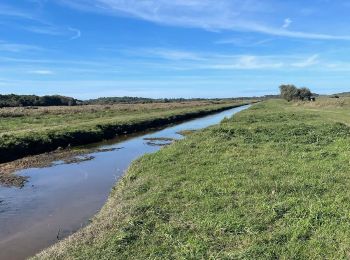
33, 130
270, 183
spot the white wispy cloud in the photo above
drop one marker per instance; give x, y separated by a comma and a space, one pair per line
301, 35
187, 60
312, 60
169, 54
142, 61
16, 47
9, 11
286, 23
41, 72
48, 30
77, 33
34, 23
53, 30
242, 42
236, 15
247, 62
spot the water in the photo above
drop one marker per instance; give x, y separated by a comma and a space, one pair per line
59, 200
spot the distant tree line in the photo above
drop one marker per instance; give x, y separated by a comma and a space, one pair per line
127, 100
291, 92
13, 100
138, 100
342, 94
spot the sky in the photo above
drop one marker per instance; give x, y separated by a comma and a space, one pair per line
178, 48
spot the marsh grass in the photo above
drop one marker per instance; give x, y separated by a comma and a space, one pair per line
270, 183
29, 118
32, 131
325, 102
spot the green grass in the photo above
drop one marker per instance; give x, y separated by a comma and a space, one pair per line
271, 183
32, 131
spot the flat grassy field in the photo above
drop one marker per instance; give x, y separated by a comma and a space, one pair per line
25, 131
271, 183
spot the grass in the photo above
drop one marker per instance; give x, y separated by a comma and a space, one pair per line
26, 131
271, 183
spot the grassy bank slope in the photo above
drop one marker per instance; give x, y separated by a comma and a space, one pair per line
32, 131
272, 182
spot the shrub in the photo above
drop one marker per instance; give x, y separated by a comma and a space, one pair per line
291, 92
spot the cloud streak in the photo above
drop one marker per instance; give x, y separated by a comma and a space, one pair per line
15, 47
287, 22
8, 11
145, 60
41, 72
35, 24
187, 60
214, 15
313, 60
77, 33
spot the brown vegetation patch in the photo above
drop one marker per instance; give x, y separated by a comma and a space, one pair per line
326, 103
88, 109
159, 141
164, 139
12, 180
186, 132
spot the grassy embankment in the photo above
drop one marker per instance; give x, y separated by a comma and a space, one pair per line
26, 131
271, 183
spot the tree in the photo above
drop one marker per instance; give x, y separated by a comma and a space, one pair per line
291, 92
305, 93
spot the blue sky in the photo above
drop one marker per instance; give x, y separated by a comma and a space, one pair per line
178, 48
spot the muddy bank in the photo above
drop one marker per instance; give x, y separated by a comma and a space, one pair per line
66, 156
159, 141
17, 148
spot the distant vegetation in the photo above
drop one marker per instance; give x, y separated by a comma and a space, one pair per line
130, 100
342, 94
33, 100
13, 100
291, 92
140, 100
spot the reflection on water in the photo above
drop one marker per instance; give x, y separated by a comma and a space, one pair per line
59, 200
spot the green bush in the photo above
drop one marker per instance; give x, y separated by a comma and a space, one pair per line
291, 92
